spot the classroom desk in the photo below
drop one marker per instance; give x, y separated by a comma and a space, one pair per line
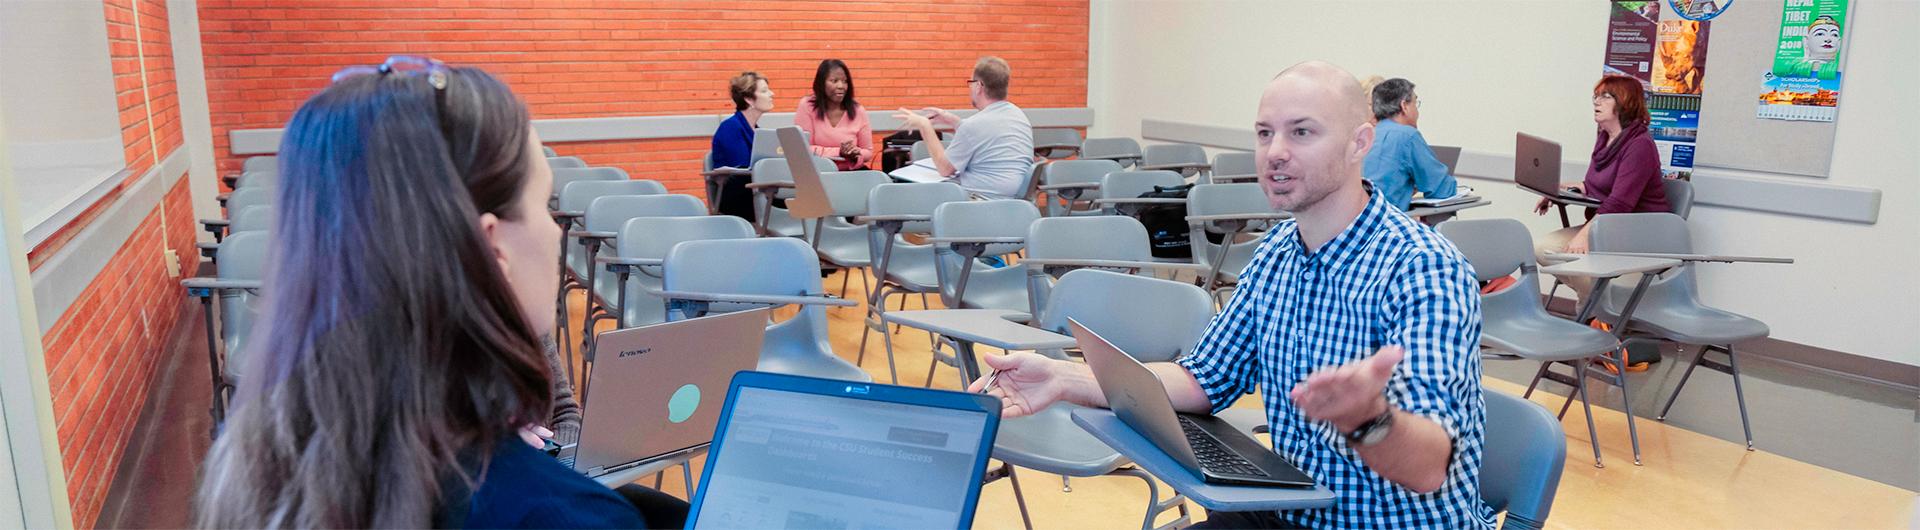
1103, 424
1434, 215
967, 327
1562, 203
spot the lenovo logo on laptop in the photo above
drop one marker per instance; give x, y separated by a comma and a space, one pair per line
629, 353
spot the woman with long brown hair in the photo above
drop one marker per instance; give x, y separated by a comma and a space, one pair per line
412, 271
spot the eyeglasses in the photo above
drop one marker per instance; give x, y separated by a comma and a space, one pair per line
435, 70
971, 81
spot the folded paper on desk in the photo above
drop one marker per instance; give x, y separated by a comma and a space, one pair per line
921, 171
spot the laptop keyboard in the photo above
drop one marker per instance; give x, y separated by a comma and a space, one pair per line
1213, 455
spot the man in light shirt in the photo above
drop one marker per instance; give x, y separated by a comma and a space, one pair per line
991, 154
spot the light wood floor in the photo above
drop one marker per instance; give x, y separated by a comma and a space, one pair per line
1688, 480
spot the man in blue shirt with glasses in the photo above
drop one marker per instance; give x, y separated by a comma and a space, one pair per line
1401, 162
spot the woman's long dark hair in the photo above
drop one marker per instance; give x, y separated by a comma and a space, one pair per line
391, 346
820, 97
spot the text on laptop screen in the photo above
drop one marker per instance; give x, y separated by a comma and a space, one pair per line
796, 460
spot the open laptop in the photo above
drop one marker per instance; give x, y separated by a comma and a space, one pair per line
803, 452
1206, 445
1536, 167
653, 389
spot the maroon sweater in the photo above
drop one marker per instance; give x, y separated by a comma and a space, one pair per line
1625, 175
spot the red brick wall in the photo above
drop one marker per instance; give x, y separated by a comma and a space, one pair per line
581, 58
103, 351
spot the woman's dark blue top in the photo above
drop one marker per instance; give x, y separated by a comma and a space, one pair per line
525, 488
733, 143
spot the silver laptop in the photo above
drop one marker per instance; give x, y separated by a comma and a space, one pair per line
1448, 155
1208, 446
658, 389
1536, 168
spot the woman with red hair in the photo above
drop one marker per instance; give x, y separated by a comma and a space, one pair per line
1624, 174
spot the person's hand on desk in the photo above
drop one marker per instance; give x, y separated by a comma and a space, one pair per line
849, 151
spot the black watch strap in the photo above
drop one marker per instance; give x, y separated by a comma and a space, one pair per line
1364, 435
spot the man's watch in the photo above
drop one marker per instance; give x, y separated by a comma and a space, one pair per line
1373, 431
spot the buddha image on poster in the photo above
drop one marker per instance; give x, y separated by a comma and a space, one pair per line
1804, 83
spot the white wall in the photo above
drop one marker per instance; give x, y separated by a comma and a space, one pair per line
1487, 68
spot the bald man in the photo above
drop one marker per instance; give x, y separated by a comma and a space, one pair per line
1358, 326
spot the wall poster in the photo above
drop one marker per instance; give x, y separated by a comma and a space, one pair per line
1804, 84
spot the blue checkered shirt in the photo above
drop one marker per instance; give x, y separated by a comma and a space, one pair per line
1386, 280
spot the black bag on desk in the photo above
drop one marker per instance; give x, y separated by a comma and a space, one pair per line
896, 149
1166, 223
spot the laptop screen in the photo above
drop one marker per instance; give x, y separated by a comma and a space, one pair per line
803, 460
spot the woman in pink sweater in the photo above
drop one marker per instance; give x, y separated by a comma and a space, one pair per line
837, 124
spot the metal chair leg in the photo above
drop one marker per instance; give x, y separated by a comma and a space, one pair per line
1536, 380
1626, 403
1019, 499
1733, 362
1156, 506
1592, 433
1682, 384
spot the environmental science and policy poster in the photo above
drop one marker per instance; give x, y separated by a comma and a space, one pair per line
1804, 83
1663, 44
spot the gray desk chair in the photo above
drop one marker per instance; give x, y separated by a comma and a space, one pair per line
253, 219
264, 178
920, 151
644, 243
1056, 143
565, 176
260, 178
252, 164
575, 195
839, 243
738, 274
548, 151
1120, 190
238, 201
605, 217
900, 267
565, 162
1679, 197
1671, 308
772, 186
1124, 151
964, 232
1226, 211
260, 163
1045, 441
1187, 159
1525, 452
230, 295
1073, 185
1058, 245
1679, 201
1234, 166
1514, 323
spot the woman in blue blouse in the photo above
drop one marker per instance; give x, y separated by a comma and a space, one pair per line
733, 141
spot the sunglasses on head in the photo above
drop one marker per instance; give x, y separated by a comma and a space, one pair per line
435, 70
